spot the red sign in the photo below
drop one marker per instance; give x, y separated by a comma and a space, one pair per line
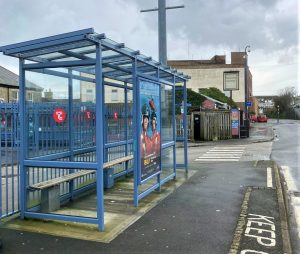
115, 115
88, 115
59, 115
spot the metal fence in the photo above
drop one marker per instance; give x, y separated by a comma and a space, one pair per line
9, 173
47, 138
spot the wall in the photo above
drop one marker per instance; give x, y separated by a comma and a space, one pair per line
3, 93
213, 77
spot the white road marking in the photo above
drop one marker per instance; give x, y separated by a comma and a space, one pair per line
269, 178
231, 147
225, 150
222, 153
214, 159
295, 201
288, 178
218, 151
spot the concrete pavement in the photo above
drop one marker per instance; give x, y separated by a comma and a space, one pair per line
225, 207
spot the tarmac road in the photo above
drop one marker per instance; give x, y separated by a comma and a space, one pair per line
201, 216
286, 147
286, 152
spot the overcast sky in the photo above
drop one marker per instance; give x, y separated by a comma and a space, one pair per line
199, 31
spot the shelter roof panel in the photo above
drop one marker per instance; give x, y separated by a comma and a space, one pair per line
81, 45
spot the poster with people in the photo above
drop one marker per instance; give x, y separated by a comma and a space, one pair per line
150, 129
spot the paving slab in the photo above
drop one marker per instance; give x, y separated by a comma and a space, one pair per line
119, 214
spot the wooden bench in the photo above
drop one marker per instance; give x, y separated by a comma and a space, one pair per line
50, 191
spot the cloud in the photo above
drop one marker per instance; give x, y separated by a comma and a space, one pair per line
200, 30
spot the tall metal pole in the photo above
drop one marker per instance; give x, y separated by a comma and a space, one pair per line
162, 31
162, 28
247, 49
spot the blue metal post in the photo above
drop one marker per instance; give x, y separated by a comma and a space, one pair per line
136, 138
71, 126
22, 137
159, 175
185, 127
105, 113
174, 127
99, 138
126, 124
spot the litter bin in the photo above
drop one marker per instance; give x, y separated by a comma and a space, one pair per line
244, 130
196, 127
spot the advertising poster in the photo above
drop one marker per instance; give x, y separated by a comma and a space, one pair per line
150, 129
235, 122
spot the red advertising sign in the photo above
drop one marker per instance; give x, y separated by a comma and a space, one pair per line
59, 115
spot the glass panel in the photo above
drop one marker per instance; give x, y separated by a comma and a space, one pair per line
84, 113
54, 122
114, 114
47, 124
167, 161
179, 153
179, 110
166, 113
130, 113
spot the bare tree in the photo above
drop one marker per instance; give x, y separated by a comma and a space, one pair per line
285, 100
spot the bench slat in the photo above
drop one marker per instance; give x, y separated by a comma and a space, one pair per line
117, 161
65, 178
61, 179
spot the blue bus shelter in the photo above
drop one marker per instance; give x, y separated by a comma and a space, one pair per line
102, 111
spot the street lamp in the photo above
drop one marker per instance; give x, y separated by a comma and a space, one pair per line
247, 50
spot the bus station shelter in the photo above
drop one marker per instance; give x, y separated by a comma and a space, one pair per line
104, 112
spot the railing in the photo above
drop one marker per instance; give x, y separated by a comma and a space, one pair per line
49, 140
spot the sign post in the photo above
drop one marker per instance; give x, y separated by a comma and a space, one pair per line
249, 103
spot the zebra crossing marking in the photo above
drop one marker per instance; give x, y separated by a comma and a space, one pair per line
222, 153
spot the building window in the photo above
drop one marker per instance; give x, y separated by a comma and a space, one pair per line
89, 95
29, 96
231, 80
14, 95
114, 95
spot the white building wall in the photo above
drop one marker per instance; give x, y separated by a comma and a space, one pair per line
213, 77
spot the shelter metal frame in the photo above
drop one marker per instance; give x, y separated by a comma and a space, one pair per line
92, 54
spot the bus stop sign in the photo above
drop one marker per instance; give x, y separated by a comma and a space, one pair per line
249, 103
59, 115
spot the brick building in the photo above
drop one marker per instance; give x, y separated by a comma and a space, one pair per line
216, 73
9, 88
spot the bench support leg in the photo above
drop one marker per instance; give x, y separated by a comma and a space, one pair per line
50, 199
108, 178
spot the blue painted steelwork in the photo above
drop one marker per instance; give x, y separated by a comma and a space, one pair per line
9, 156
185, 127
136, 123
99, 138
49, 149
161, 146
22, 94
174, 128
